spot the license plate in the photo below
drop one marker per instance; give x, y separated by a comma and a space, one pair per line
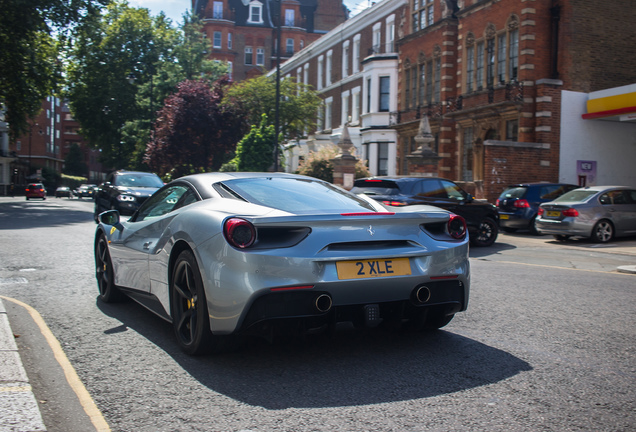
373, 268
553, 213
503, 217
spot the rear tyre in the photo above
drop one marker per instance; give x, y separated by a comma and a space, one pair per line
533, 227
603, 231
486, 233
108, 291
190, 319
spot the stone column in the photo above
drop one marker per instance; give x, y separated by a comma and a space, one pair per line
424, 156
344, 165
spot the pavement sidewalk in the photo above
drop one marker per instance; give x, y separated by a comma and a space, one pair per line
19, 411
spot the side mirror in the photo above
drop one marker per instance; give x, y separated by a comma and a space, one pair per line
469, 198
110, 217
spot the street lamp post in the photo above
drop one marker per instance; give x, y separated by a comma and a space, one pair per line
277, 109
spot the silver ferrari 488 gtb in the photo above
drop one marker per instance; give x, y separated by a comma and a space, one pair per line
226, 254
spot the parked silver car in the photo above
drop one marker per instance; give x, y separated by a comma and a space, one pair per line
598, 212
223, 253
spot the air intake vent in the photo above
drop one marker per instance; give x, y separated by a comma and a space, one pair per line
368, 246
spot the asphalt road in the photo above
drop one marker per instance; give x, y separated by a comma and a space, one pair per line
547, 343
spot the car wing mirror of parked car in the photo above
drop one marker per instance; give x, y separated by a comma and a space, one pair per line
111, 217
469, 198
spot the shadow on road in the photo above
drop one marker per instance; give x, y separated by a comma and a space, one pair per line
35, 214
350, 368
497, 247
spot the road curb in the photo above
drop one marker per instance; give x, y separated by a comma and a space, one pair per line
627, 269
19, 410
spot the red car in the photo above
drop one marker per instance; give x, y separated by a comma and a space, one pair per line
35, 190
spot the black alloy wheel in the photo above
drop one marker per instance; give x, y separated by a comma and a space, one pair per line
108, 291
533, 227
486, 234
189, 309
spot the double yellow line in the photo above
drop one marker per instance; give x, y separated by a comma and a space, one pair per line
73, 380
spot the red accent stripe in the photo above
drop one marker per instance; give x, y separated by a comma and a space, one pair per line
444, 277
368, 214
609, 113
292, 288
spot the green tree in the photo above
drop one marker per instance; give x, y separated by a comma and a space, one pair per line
114, 53
74, 164
29, 55
122, 66
255, 152
297, 108
194, 131
189, 62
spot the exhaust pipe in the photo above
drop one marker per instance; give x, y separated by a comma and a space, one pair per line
323, 303
422, 294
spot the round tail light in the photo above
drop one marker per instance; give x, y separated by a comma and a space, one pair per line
456, 227
239, 233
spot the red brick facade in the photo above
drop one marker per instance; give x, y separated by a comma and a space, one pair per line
247, 37
498, 122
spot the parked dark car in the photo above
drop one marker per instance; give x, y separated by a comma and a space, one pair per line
85, 191
518, 204
35, 190
63, 191
481, 217
125, 191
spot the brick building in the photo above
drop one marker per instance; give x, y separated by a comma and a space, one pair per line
502, 67
490, 76
40, 147
70, 135
46, 145
244, 33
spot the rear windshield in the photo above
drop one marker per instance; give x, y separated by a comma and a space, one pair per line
299, 196
376, 187
515, 192
576, 195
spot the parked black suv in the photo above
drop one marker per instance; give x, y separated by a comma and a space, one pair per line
125, 191
518, 204
481, 217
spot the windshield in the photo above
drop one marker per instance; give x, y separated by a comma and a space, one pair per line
299, 196
577, 195
375, 187
139, 180
515, 192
